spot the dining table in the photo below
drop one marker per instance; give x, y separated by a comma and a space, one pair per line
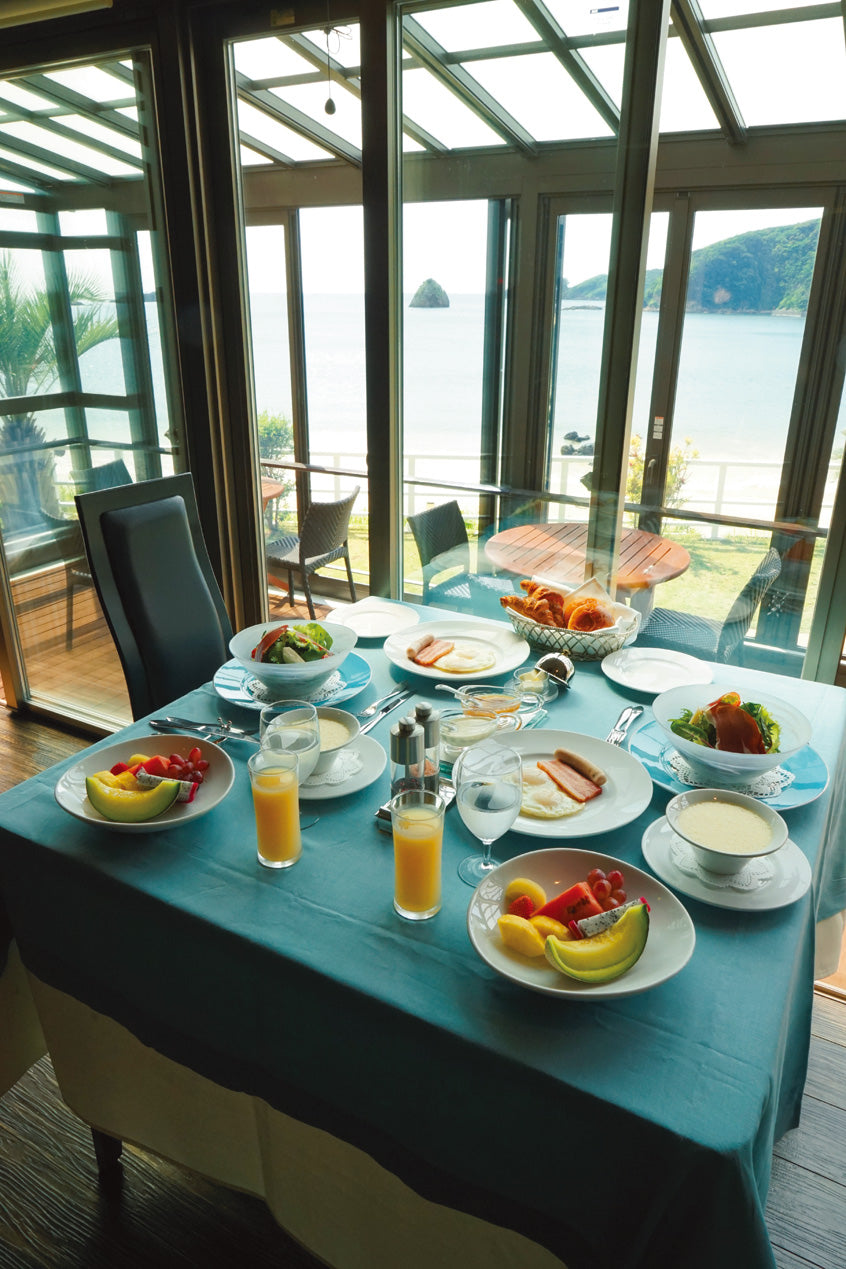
388, 1092
556, 552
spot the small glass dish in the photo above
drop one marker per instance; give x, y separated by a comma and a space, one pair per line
535, 681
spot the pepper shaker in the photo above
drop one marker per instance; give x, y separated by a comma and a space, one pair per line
407, 756
430, 720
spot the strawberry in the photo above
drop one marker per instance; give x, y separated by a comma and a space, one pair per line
522, 906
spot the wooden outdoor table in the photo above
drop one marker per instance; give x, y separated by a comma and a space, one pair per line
270, 489
557, 551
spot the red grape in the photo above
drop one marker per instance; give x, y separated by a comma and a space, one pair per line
616, 879
595, 875
611, 903
602, 889
619, 895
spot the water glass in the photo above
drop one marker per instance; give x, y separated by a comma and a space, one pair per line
293, 726
417, 824
275, 786
488, 791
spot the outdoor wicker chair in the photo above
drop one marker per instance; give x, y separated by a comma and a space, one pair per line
442, 543
705, 637
322, 539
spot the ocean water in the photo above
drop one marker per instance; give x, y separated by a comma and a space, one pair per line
734, 397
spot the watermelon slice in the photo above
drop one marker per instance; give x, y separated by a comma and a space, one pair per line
574, 904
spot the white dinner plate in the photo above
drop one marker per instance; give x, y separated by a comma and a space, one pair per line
373, 760
498, 638
791, 875
668, 948
375, 618
70, 787
654, 669
235, 683
627, 791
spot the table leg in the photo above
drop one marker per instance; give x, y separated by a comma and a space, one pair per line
107, 1150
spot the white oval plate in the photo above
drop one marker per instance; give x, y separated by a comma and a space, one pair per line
668, 948
373, 762
375, 618
790, 879
70, 787
498, 637
654, 669
627, 792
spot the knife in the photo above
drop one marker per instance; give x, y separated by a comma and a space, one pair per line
386, 709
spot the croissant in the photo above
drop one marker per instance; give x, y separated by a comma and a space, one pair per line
590, 614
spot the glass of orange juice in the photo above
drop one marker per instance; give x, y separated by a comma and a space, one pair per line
417, 823
273, 778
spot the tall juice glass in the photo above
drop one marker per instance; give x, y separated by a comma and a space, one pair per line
417, 823
273, 778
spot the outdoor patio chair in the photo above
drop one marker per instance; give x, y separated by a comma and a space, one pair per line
705, 637
156, 586
322, 539
443, 545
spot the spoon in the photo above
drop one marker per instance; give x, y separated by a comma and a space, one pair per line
559, 668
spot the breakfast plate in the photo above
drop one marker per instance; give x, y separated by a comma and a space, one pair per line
654, 669
70, 787
807, 772
375, 618
627, 792
373, 762
668, 948
234, 683
483, 649
791, 875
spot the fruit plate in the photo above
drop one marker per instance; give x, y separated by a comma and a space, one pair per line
70, 787
627, 791
498, 648
668, 948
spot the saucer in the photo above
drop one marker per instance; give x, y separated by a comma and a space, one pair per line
790, 879
235, 683
373, 761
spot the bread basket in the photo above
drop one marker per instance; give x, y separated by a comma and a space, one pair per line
581, 645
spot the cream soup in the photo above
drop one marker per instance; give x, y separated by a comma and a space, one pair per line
722, 826
332, 734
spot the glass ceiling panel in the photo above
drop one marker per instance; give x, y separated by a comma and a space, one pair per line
261, 127
249, 158
344, 44
492, 24
34, 165
440, 112
606, 61
539, 93
99, 132
310, 99
61, 146
739, 8
684, 104
269, 59
22, 96
581, 17
793, 73
91, 82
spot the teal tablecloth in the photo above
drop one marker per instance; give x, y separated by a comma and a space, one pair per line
636, 1132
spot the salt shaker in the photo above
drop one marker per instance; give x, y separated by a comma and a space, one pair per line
430, 720
407, 756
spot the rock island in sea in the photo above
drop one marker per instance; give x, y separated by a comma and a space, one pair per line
430, 294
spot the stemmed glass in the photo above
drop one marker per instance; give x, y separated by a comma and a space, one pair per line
488, 785
295, 727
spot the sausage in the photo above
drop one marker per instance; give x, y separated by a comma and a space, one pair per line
417, 645
578, 763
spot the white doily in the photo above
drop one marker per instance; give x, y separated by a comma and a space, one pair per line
768, 785
268, 695
348, 763
752, 876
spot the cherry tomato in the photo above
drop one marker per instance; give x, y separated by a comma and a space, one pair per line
616, 879
602, 889
595, 874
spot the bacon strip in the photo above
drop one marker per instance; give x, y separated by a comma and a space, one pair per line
574, 784
433, 651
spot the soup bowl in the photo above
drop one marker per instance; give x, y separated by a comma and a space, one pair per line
724, 828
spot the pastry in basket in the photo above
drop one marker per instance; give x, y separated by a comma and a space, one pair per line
550, 607
589, 614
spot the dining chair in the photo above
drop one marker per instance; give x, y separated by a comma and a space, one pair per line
704, 636
444, 547
156, 586
77, 576
322, 539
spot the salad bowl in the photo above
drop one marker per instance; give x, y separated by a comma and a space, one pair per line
722, 767
300, 679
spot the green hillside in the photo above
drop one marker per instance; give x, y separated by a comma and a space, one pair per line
763, 271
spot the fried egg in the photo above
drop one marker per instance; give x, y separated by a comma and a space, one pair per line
467, 657
542, 798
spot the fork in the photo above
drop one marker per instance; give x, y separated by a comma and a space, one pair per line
617, 734
377, 705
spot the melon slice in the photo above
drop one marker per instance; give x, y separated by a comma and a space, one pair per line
126, 806
605, 956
